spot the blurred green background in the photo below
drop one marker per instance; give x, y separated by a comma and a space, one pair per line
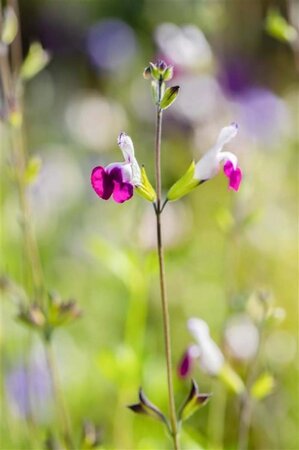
222, 248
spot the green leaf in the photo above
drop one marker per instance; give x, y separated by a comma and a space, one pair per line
35, 61
193, 403
277, 27
10, 26
169, 97
32, 170
263, 386
145, 189
184, 185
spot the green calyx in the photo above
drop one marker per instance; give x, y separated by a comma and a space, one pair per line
145, 189
184, 185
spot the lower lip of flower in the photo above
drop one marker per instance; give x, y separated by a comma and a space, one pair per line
106, 183
234, 175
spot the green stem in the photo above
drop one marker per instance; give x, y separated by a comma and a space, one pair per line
59, 401
9, 75
164, 300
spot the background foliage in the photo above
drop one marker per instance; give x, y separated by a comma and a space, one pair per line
222, 248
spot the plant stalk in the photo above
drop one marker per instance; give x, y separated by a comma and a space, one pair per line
59, 401
164, 300
9, 74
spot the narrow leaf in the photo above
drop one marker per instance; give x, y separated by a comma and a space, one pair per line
169, 97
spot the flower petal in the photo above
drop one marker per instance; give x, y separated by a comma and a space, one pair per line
101, 182
126, 145
226, 134
122, 192
234, 175
186, 364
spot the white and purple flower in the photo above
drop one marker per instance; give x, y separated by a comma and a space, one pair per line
205, 351
118, 179
208, 166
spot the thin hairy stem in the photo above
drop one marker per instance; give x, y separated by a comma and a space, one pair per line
166, 324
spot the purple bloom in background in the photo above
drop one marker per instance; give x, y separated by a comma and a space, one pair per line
28, 389
263, 113
111, 44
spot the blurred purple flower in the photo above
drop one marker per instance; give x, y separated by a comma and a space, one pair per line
235, 76
263, 113
111, 44
28, 389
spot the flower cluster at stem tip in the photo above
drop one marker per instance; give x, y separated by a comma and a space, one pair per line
119, 180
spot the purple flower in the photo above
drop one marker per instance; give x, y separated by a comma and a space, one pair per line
118, 179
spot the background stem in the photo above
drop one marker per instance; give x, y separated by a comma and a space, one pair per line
165, 313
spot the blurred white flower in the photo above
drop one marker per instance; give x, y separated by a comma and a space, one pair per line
57, 188
185, 46
242, 337
210, 356
94, 121
200, 99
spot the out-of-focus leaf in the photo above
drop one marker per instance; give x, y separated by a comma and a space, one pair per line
193, 403
231, 379
169, 97
277, 27
33, 169
263, 386
35, 61
10, 26
225, 219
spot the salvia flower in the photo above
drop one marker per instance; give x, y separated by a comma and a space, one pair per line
205, 351
209, 356
118, 179
209, 165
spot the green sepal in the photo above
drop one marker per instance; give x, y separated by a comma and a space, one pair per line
232, 380
155, 71
193, 403
263, 386
184, 185
169, 97
35, 61
145, 189
146, 407
168, 73
10, 26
